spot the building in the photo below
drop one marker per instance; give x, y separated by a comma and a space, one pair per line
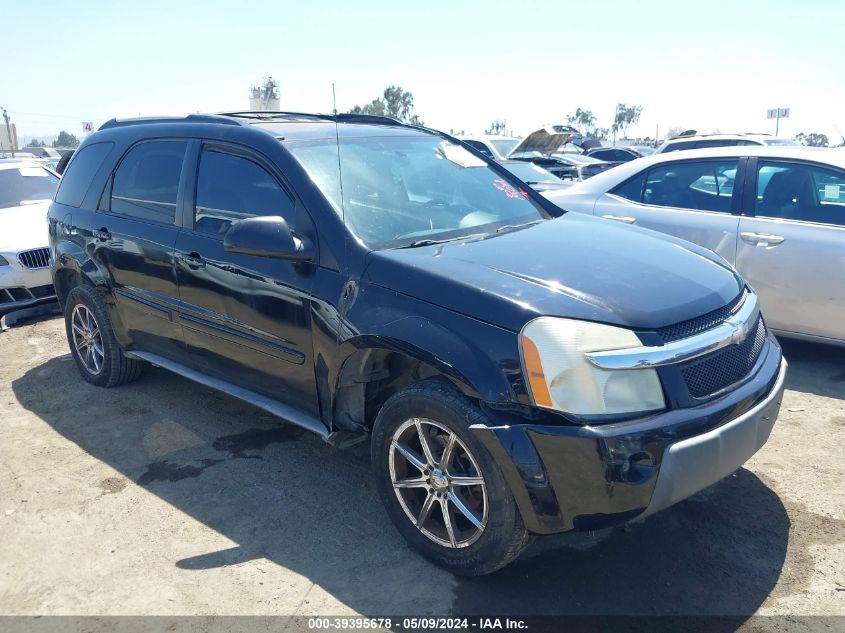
265, 98
7, 143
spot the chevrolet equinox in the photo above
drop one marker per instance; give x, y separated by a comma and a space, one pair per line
517, 370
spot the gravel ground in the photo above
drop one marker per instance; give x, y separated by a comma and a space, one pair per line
162, 497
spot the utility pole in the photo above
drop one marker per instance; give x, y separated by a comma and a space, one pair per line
9, 132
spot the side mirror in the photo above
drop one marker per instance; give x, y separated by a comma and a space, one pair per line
267, 236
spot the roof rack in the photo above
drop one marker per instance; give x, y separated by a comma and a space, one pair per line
340, 117
190, 118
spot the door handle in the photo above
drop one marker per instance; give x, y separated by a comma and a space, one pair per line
193, 260
764, 239
627, 219
102, 234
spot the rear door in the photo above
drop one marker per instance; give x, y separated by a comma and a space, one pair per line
246, 318
791, 245
694, 200
133, 236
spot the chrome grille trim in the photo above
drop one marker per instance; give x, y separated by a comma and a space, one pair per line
35, 258
731, 331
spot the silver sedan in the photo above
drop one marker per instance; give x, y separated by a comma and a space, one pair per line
777, 214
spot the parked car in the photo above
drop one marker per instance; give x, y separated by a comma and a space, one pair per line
26, 189
776, 213
585, 166
515, 374
702, 141
613, 155
534, 176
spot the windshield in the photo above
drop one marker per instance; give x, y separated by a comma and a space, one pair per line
504, 146
530, 173
579, 158
24, 184
398, 190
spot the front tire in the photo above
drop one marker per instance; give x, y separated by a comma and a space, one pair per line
441, 487
92, 342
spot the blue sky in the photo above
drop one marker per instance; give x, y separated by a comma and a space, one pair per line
709, 65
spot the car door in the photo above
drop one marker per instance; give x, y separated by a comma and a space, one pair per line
246, 318
791, 245
133, 236
692, 199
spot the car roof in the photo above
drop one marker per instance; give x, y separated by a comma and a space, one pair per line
610, 178
17, 163
487, 137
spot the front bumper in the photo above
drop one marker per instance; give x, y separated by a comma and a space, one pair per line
22, 287
567, 477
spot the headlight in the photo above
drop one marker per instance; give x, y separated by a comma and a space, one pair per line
560, 377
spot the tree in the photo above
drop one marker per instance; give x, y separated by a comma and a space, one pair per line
66, 140
395, 103
813, 139
36, 143
497, 128
673, 132
585, 121
625, 116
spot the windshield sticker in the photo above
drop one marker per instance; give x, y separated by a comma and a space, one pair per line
508, 190
831, 192
30, 172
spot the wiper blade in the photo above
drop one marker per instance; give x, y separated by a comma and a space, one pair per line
511, 227
430, 242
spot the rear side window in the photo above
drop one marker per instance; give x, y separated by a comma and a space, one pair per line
674, 147
231, 187
80, 172
146, 183
698, 185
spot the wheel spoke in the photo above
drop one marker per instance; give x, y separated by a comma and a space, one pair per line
425, 446
78, 330
447, 452
466, 510
411, 482
462, 480
425, 511
408, 454
447, 519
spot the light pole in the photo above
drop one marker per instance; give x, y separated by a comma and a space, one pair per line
9, 132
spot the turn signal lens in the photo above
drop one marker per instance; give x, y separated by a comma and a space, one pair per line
534, 371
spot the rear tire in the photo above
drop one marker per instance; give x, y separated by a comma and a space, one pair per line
448, 498
92, 342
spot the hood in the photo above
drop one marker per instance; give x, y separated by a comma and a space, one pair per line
575, 266
545, 140
24, 227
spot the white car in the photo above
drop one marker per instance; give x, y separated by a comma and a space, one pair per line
26, 189
702, 141
777, 214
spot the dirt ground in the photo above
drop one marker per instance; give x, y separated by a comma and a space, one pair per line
162, 497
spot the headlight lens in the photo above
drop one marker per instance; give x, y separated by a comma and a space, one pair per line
560, 377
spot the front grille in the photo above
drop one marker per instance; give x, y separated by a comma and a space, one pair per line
714, 372
21, 294
702, 323
36, 258
39, 292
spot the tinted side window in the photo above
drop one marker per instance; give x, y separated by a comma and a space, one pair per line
674, 147
232, 187
699, 185
79, 173
716, 142
794, 191
632, 189
146, 183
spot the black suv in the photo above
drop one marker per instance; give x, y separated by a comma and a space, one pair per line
516, 374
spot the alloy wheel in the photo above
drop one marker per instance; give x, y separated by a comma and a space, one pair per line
438, 483
87, 338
